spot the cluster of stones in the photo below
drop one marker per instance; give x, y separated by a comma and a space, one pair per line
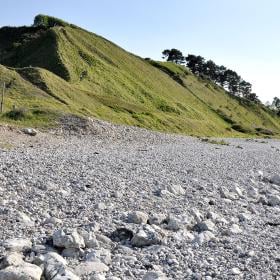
105, 215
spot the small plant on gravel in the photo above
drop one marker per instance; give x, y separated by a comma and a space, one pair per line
215, 142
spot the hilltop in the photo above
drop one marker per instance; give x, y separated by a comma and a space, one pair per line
54, 68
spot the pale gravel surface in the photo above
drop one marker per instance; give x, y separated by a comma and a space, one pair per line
113, 170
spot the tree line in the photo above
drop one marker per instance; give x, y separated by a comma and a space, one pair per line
275, 105
219, 74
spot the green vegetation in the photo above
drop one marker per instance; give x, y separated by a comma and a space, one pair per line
55, 68
214, 141
241, 128
264, 131
47, 21
218, 74
275, 106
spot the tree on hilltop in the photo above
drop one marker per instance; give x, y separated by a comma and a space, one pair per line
221, 79
276, 104
245, 88
211, 70
48, 21
218, 74
196, 64
232, 81
173, 55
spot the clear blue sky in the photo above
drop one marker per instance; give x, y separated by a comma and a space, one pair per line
240, 34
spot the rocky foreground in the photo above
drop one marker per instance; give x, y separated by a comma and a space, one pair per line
125, 203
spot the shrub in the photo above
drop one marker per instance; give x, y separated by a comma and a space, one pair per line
87, 58
47, 21
175, 76
164, 107
240, 128
264, 131
225, 117
17, 114
83, 75
215, 142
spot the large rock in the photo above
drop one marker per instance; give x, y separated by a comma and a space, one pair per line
89, 239
273, 200
156, 219
207, 225
105, 241
100, 206
252, 192
204, 237
238, 191
234, 229
72, 253
58, 271
68, 239
197, 215
56, 267
213, 216
12, 259
137, 217
176, 189
102, 255
86, 268
275, 180
53, 257
154, 275
173, 223
24, 219
41, 249
244, 217
30, 131
122, 234
235, 271
228, 195
147, 235
24, 271
52, 221
17, 244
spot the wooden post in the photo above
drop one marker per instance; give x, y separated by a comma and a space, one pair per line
2, 98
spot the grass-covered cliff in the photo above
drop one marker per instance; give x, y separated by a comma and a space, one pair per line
55, 68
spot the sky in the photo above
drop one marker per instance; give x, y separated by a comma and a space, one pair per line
243, 35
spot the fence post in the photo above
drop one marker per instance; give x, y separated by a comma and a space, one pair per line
2, 98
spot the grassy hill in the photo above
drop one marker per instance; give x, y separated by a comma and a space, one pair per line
56, 68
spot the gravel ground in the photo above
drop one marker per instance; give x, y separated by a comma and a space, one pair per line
126, 203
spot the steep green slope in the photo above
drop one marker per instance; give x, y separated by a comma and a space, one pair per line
233, 110
33, 105
81, 73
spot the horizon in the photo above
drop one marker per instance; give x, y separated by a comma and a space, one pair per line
249, 46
